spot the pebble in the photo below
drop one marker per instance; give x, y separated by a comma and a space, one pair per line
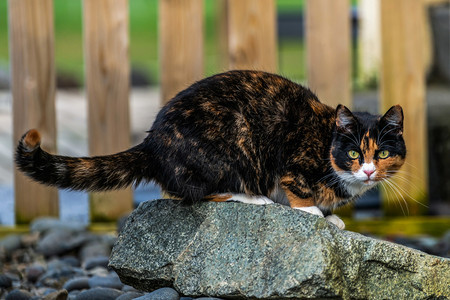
78, 283
43, 225
19, 295
95, 249
10, 243
34, 271
111, 281
161, 294
96, 261
5, 281
99, 293
57, 295
71, 261
51, 244
130, 295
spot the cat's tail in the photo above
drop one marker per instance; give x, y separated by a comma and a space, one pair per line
98, 173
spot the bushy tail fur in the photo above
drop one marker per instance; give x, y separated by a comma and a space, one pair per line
98, 173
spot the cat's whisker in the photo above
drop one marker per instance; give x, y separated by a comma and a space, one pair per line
397, 194
406, 174
411, 165
391, 191
406, 192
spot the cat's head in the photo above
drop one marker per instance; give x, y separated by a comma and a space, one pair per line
367, 149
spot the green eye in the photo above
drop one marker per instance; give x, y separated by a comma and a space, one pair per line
353, 154
383, 154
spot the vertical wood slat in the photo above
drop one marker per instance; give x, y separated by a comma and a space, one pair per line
328, 50
180, 45
369, 41
252, 35
221, 14
403, 82
33, 88
107, 80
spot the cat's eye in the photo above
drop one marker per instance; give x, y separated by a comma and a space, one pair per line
383, 154
353, 154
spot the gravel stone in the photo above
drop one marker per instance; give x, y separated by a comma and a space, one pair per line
96, 261
19, 295
111, 281
5, 281
77, 283
99, 293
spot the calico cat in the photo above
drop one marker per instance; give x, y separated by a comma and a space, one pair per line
246, 136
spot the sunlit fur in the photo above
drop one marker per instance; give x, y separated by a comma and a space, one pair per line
240, 132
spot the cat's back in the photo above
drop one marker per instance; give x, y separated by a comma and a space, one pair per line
253, 93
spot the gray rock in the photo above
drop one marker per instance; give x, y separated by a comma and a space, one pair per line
99, 293
161, 294
238, 250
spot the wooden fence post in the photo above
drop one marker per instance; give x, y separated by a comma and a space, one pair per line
180, 45
369, 41
403, 82
328, 50
33, 88
252, 35
107, 81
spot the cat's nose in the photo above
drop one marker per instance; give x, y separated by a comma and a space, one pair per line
369, 172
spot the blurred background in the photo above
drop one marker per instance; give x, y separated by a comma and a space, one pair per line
69, 64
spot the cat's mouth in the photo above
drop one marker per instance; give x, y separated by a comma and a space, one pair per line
370, 182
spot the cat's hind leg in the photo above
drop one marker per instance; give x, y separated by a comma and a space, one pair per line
243, 198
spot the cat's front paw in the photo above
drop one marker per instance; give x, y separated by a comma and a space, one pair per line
314, 210
334, 219
257, 200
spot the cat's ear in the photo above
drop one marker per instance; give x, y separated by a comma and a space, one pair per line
394, 118
345, 120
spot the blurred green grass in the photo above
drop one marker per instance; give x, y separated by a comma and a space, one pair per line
144, 39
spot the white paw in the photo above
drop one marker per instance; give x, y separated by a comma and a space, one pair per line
258, 200
336, 221
312, 210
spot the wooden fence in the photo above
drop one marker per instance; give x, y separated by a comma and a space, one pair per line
248, 39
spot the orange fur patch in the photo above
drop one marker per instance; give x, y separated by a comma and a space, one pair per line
296, 201
389, 164
218, 197
325, 196
32, 139
368, 147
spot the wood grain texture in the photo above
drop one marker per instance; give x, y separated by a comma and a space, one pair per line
107, 82
252, 35
328, 50
31, 39
180, 45
403, 82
